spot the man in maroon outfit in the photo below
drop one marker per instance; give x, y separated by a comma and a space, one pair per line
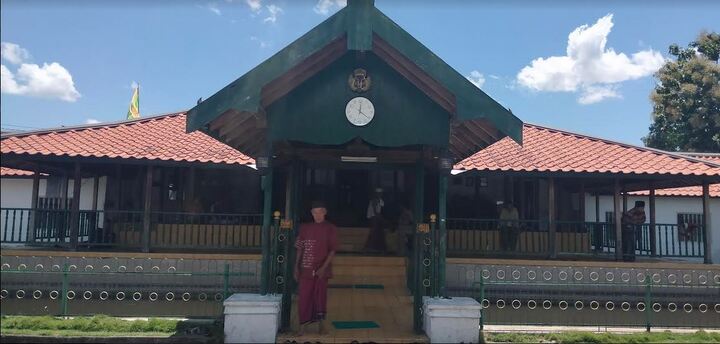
316, 245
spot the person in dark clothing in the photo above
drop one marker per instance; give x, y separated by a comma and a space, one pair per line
631, 222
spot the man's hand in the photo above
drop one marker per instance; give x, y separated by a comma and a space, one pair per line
321, 272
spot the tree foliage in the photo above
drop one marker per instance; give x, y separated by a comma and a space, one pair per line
686, 100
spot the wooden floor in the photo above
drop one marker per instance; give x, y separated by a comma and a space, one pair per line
390, 308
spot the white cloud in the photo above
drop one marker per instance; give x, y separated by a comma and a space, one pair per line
49, 81
477, 78
323, 7
91, 121
589, 66
261, 43
255, 5
596, 94
274, 11
214, 8
13, 53
493, 76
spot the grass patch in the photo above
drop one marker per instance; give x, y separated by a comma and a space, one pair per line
98, 323
74, 333
605, 337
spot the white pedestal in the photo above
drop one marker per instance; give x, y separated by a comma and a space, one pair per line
454, 320
252, 318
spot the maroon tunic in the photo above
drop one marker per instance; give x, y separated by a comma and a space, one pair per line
316, 240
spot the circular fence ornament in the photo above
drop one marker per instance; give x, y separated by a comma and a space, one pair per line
687, 278
153, 296
547, 304
106, 268
594, 305
39, 267
500, 274
516, 274
54, 295
656, 278
687, 308
672, 307
563, 275
72, 267
531, 304
547, 275
186, 297
717, 279
22, 267
279, 279
594, 276
485, 303
717, 308
516, 304
426, 283
70, 295
426, 262
37, 294
120, 296
640, 306
280, 258
500, 303
218, 296
87, 295
170, 296
122, 268
702, 308
104, 295
427, 241
640, 277
702, 279
625, 306
172, 269
531, 275
625, 277
485, 274
609, 305
579, 305
55, 267
609, 276
6, 266
656, 307
578, 275
138, 268
155, 268
202, 296
89, 268
3, 294
672, 278
563, 305
137, 296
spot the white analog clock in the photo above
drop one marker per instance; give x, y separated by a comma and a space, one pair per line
359, 111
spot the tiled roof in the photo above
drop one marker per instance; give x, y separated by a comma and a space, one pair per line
155, 138
11, 172
689, 191
550, 150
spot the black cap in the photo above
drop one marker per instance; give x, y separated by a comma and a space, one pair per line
639, 204
317, 204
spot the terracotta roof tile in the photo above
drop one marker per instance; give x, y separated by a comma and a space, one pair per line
11, 172
156, 138
689, 191
550, 150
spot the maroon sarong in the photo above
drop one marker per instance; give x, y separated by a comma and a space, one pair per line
316, 240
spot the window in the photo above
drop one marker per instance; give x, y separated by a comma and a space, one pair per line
689, 226
610, 216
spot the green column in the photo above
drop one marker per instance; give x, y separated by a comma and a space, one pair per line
417, 268
267, 183
442, 228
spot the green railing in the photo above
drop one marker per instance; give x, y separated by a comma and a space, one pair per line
63, 291
124, 229
492, 237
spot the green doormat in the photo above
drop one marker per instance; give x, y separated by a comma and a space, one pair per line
349, 325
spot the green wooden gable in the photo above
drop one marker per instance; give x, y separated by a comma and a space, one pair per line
298, 94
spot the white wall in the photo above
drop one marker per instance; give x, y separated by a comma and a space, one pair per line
17, 193
666, 210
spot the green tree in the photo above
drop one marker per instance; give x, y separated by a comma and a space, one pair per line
686, 100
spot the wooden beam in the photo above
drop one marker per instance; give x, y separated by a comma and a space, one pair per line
414, 74
707, 233
282, 85
480, 127
552, 230
75, 212
33, 206
146, 209
237, 120
653, 240
618, 218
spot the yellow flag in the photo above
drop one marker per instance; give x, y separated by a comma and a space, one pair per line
134, 112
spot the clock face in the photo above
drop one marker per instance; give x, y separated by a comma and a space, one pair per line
359, 111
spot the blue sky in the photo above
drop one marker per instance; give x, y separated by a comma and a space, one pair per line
70, 62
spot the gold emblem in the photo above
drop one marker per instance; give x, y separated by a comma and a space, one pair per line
359, 80
286, 224
423, 228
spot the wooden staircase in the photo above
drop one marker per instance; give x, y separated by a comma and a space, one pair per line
364, 289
